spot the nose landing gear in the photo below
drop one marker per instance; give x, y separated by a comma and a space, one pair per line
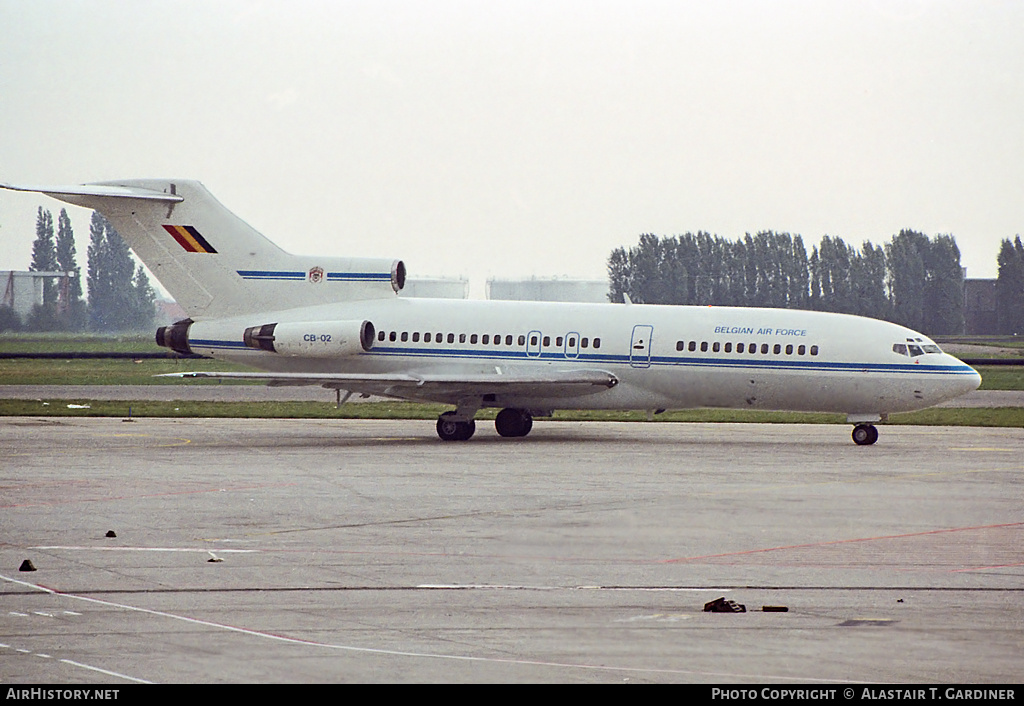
865, 434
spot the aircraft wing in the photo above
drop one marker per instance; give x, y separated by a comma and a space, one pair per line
438, 387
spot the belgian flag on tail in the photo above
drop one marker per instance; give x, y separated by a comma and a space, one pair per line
190, 239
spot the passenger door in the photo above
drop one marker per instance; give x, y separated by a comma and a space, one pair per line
640, 346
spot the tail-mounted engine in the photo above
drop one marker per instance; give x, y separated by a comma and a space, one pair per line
175, 336
312, 339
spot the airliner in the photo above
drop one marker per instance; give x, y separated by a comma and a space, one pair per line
340, 324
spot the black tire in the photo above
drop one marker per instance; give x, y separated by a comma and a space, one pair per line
512, 423
449, 429
865, 434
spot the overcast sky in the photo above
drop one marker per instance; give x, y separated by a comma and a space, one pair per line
509, 139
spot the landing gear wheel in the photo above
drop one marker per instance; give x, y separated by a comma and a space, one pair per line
451, 430
865, 434
513, 422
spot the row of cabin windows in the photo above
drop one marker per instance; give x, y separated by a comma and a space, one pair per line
485, 339
752, 348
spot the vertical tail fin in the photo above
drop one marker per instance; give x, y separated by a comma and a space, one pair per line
212, 262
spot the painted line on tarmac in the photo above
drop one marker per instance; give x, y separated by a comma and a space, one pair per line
421, 655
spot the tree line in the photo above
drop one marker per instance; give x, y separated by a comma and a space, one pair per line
1010, 287
119, 298
912, 280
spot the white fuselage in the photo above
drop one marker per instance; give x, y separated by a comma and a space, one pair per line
664, 357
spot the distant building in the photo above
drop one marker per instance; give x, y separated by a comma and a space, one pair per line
168, 311
548, 290
980, 306
435, 288
23, 290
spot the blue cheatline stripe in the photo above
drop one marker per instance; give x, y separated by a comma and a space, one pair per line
209, 343
658, 361
359, 276
289, 275
271, 274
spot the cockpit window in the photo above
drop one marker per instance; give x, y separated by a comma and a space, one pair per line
914, 350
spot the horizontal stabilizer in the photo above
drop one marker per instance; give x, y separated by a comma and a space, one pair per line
125, 192
213, 263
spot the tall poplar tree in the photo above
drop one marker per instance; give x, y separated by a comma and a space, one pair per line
44, 255
44, 259
73, 313
1010, 287
116, 289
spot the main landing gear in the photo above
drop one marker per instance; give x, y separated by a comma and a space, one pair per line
451, 429
509, 423
513, 422
865, 434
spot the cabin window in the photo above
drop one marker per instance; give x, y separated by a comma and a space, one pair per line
814, 350
522, 340
508, 339
473, 338
547, 341
405, 336
680, 345
584, 342
597, 343
777, 349
789, 349
739, 347
703, 346
533, 340
381, 335
764, 349
462, 338
558, 342
801, 350
451, 338
415, 336
426, 338
716, 346
485, 339
728, 348
393, 336
439, 338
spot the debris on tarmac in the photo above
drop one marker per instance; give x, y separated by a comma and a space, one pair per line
27, 566
721, 605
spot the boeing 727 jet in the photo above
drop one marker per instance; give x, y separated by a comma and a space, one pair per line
339, 323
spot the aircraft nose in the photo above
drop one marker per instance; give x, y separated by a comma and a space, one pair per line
967, 381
